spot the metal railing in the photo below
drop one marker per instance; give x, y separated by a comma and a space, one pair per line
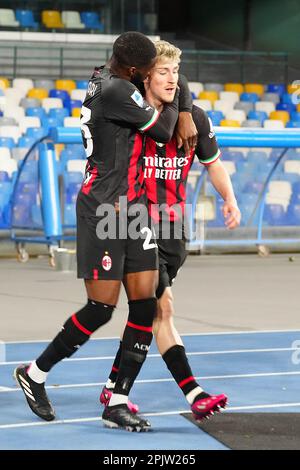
38, 61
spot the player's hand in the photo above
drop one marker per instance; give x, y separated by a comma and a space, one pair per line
186, 132
231, 214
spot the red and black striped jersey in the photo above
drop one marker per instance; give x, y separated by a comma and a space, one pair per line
166, 168
114, 118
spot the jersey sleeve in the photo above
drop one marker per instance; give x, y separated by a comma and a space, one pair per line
123, 102
207, 149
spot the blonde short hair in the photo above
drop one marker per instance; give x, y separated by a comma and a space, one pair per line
166, 50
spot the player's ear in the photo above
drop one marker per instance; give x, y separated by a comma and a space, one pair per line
132, 71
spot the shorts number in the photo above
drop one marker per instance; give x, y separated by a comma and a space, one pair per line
86, 116
147, 245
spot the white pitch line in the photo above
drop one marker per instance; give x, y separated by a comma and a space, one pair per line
242, 332
163, 413
146, 381
197, 353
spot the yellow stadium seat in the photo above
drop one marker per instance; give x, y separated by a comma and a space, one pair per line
52, 19
283, 116
298, 107
76, 112
4, 83
230, 123
39, 93
68, 85
254, 88
212, 96
237, 87
292, 88
58, 149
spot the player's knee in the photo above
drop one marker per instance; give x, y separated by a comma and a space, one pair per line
80, 326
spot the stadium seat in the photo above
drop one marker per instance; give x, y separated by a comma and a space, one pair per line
232, 155
235, 87
24, 84
59, 113
15, 112
254, 88
10, 131
76, 166
26, 142
45, 84
293, 154
76, 112
259, 115
279, 193
52, 19
72, 20
276, 88
251, 97
8, 165
251, 123
245, 106
78, 94
216, 117
26, 19
273, 124
75, 149
69, 215
214, 87
223, 106
91, 20
295, 116
71, 122
196, 87
236, 115
36, 132
50, 121
4, 178
38, 93
283, 116
204, 104
13, 96
37, 112
29, 121
290, 166
8, 121
293, 124
36, 214
291, 88
7, 18
7, 142
49, 103
293, 214
229, 96
4, 83
265, 106
274, 214
287, 98
73, 177
30, 103
18, 153
289, 107
273, 97
5, 153
81, 84
208, 95
68, 85
229, 123
62, 94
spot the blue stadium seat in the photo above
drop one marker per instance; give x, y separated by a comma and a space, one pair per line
289, 107
276, 88
72, 177
293, 214
293, 124
258, 157
216, 117
4, 177
36, 112
60, 113
286, 98
69, 215
251, 97
259, 115
7, 142
76, 151
82, 84
36, 132
274, 214
36, 215
72, 192
245, 167
92, 20
293, 154
70, 104
253, 187
295, 116
275, 154
290, 177
233, 156
67, 155
26, 141
62, 94
26, 19
49, 122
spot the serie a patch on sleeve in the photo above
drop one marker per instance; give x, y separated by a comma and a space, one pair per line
137, 98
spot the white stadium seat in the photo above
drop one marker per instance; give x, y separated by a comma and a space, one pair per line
16, 112
224, 106
29, 121
78, 94
279, 193
71, 19
266, 106
292, 166
4, 154
10, 131
8, 165
274, 124
7, 17
24, 84
14, 95
204, 104
231, 96
71, 122
48, 103
236, 115
230, 167
196, 87
76, 165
